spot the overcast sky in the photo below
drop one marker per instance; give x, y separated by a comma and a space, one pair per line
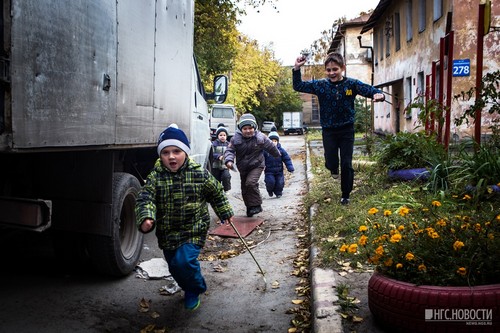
296, 24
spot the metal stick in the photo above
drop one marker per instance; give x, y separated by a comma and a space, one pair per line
248, 249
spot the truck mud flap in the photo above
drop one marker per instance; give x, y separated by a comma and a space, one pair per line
31, 214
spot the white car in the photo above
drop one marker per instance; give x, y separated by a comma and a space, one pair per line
267, 126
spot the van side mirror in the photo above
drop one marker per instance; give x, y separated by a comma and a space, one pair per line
220, 89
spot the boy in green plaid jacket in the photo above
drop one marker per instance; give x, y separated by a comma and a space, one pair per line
174, 200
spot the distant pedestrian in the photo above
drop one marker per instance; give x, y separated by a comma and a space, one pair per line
274, 175
219, 169
174, 200
336, 94
246, 149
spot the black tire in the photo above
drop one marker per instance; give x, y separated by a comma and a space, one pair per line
119, 253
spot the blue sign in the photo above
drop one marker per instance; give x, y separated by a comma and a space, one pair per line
461, 67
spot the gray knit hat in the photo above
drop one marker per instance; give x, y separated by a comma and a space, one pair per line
273, 135
247, 119
221, 129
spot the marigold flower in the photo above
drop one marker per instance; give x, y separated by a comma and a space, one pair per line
395, 238
441, 223
353, 248
478, 227
343, 248
436, 203
467, 197
376, 225
401, 228
491, 236
458, 245
409, 256
373, 211
462, 271
379, 250
399, 265
387, 212
434, 235
498, 216
422, 268
388, 262
363, 228
362, 240
403, 211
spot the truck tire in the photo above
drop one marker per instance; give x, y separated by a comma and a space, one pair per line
119, 253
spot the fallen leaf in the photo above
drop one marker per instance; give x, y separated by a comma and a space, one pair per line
155, 315
297, 301
356, 319
275, 285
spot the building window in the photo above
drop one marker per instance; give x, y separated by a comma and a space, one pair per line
421, 88
397, 32
438, 9
375, 48
381, 44
388, 34
421, 15
409, 97
409, 20
314, 109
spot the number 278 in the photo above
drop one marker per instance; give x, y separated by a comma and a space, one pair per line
457, 70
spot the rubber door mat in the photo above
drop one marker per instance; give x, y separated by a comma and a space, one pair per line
244, 225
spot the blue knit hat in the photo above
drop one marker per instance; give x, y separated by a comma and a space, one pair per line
273, 135
246, 120
173, 136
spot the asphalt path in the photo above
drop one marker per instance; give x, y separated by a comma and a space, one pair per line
39, 294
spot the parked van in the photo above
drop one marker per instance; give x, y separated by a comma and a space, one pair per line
222, 114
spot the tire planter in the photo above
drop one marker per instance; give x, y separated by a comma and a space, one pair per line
409, 174
401, 307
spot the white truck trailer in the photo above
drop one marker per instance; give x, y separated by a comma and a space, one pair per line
292, 123
86, 88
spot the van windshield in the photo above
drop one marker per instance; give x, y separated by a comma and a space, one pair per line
222, 113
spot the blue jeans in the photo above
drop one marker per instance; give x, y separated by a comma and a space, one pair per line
185, 268
335, 140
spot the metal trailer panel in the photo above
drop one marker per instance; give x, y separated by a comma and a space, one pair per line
174, 86
135, 71
60, 52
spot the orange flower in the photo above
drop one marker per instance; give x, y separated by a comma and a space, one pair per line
362, 240
395, 238
388, 262
387, 212
462, 271
467, 197
379, 250
343, 248
403, 211
409, 256
353, 248
422, 268
363, 228
399, 265
458, 245
436, 203
373, 211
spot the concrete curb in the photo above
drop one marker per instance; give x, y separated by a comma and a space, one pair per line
325, 315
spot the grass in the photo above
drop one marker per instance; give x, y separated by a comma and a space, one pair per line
333, 222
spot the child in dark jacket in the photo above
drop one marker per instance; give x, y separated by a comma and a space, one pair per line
246, 149
219, 169
274, 176
174, 200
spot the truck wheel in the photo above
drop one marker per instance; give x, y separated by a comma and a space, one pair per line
119, 253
